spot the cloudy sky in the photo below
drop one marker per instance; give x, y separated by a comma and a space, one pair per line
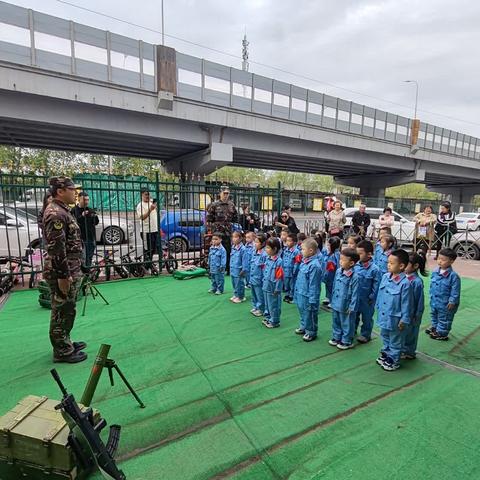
355, 49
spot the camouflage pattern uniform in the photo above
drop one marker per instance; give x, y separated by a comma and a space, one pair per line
219, 218
64, 258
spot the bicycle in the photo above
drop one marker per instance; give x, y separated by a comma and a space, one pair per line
135, 266
108, 263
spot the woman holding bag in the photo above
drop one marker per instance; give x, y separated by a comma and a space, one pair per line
336, 220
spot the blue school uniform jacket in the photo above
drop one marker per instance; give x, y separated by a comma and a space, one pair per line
309, 280
217, 259
238, 260
249, 249
330, 261
257, 265
297, 260
273, 275
345, 291
444, 288
394, 301
418, 304
288, 259
369, 278
380, 259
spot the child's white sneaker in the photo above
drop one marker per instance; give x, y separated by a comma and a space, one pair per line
218, 292
233, 298
257, 313
237, 300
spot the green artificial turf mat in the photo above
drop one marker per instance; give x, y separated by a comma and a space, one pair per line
228, 398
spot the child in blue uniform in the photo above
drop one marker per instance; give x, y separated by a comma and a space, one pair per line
257, 265
331, 259
307, 290
273, 283
283, 239
369, 278
238, 268
344, 301
444, 295
353, 241
383, 252
249, 249
288, 259
394, 309
416, 263
217, 262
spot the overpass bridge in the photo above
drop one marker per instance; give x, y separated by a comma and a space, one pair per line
69, 86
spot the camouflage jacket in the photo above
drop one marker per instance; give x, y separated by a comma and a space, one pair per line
64, 245
220, 216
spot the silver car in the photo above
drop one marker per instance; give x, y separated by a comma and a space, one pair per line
111, 229
467, 244
19, 232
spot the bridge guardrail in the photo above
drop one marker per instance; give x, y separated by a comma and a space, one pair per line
43, 41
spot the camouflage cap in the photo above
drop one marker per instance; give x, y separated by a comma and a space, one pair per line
61, 182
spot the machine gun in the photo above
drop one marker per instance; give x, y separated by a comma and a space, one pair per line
84, 436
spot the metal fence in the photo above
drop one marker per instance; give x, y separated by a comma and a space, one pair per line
42, 41
120, 245
120, 248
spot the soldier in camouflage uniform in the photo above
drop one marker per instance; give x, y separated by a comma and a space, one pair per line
220, 216
63, 269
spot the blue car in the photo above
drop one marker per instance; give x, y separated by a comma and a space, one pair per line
183, 229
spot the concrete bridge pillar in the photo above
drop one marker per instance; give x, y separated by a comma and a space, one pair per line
458, 195
375, 196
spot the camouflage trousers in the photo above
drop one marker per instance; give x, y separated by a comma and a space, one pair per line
63, 317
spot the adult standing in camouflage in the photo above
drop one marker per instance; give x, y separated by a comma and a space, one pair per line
221, 214
63, 269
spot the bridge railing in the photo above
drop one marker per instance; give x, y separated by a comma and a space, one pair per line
43, 41
39, 40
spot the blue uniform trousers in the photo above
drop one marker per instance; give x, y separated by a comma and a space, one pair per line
238, 284
218, 281
288, 286
308, 315
393, 343
329, 289
258, 297
343, 326
273, 307
365, 313
442, 320
411, 338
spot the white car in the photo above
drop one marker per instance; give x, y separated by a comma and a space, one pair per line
18, 232
403, 229
468, 221
111, 229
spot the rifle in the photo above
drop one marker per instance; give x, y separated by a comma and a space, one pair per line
84, 436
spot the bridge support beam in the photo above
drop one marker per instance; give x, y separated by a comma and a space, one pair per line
203, 162
373, 186
458, 195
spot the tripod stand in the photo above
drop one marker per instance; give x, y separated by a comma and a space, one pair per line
102, 361
89, 288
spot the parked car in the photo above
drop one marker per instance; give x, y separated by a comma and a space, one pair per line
183, 229
468, 221
467, 244
111, 229
19, 232
403, 229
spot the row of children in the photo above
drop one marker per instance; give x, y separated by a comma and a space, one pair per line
359, 279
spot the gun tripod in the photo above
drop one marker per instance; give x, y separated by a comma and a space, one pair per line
102, 361
89, 288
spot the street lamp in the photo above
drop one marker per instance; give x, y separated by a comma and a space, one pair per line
416, 94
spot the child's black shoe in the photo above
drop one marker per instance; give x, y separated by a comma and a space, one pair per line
299, 331
309, 338
430, 330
